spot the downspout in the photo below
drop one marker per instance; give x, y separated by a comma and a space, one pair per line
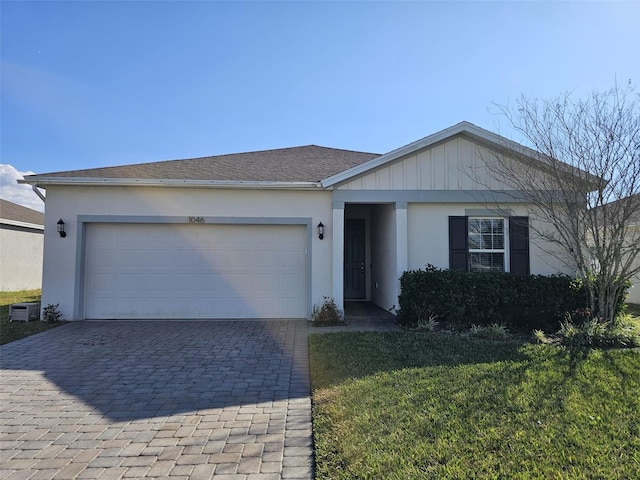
38, 192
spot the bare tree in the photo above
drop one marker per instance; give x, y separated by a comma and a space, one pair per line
585, 186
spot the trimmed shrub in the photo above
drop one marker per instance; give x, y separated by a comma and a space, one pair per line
520, 302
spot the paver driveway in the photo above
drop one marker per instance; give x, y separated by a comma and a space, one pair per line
158, 399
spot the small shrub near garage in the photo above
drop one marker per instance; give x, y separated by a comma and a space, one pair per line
462, 299
327, 314
51, 313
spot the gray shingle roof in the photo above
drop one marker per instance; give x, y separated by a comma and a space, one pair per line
18, 213
298, 164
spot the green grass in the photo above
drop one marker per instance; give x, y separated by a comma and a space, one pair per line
413, 405
10, 331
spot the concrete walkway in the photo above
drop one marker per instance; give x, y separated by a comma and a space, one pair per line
363, 317
158, 399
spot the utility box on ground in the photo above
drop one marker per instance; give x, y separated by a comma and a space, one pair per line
24, 312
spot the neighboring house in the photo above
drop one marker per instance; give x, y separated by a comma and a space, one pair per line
237, 236
634, 292
21, 243
632, 237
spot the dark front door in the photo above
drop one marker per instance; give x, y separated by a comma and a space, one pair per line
354, 259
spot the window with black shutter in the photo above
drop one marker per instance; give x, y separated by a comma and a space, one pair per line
519, 245
458, 243
480, 244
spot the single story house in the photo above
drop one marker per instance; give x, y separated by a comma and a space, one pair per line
632, 238
270, 234
21, 244
634, 227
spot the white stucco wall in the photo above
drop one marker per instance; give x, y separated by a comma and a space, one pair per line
61, 254
20, 258
384, 278
428, 237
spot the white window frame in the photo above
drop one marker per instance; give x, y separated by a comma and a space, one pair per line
505, 241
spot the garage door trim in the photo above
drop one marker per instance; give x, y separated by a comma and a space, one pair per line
84, 220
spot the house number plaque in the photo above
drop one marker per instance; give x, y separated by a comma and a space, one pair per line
196, 219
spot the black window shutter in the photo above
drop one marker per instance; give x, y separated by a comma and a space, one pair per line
519, 245
458, 243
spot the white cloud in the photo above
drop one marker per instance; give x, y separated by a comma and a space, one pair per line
14, 192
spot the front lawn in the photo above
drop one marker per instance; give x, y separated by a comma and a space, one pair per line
10, 331
410, 405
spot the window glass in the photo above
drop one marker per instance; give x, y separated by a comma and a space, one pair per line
486, 262
486, 244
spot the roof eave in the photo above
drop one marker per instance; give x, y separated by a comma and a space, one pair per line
16, 223
44, 181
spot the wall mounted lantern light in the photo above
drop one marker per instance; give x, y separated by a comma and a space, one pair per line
320, 231
61, 231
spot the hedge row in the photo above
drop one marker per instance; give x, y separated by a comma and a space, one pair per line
521, 302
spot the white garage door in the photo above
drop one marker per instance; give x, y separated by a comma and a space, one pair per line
195, 271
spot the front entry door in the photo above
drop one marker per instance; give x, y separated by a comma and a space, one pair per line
354, 259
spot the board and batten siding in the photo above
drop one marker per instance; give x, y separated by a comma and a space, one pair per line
457, 164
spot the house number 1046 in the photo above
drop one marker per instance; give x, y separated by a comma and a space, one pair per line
196, 220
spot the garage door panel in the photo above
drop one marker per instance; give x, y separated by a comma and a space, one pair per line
264, 304
239, 308
215, 283
238, 260
195, 271
291, 261
108, 238
129, 258
158, 282
264, 284
104, 282
185, 307
214, 307
101, 306
185, 282
212, 257
126, 307
289, 307
158, 259
190, 259
156, 307
132, 282
106, 258
288, 284
265, 260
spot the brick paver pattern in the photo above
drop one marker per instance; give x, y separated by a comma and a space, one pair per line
158, 399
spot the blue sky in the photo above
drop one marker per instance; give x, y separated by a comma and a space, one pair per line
88, 84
